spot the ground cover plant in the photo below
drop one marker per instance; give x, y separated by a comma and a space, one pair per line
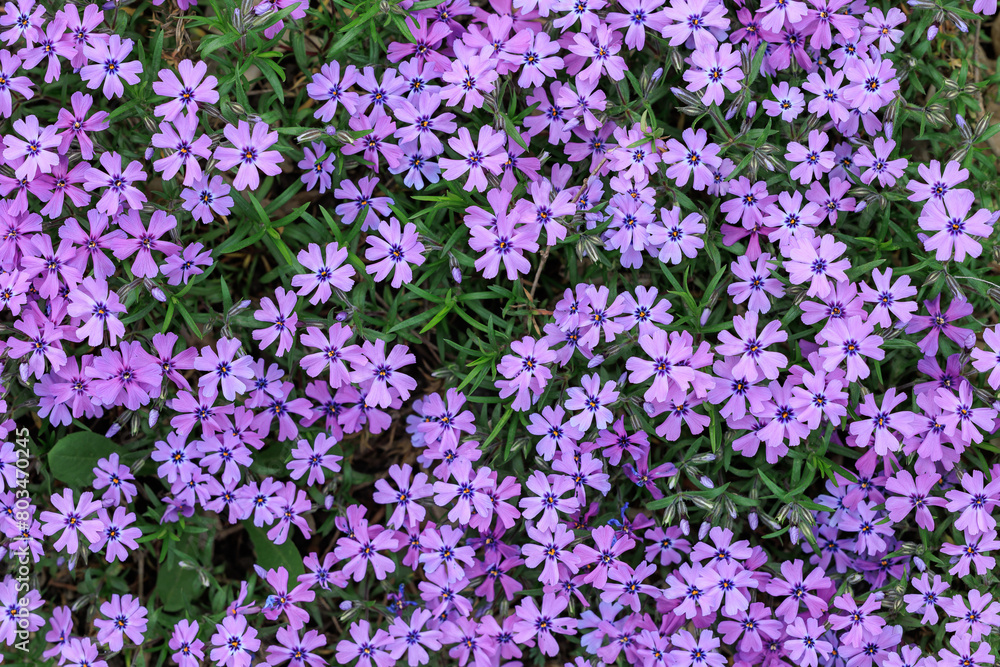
507, 332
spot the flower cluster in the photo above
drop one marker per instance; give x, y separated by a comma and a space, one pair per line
588, 331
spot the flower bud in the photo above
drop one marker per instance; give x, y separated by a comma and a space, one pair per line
753, 521
703, 530
596, 361
705, 314
752, 109
685, 527
154, 416
113, 431
793, 534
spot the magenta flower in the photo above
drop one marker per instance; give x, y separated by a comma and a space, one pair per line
700, 652
327, 271
948, 216
333, 352
110, 68
667, 366
120, 184
505, 243
928, 597
183, 266
77, 124
116, 534
329, 87
187, 92
249, 151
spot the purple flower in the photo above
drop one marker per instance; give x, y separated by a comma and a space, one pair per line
183, 266
716, 72
225, 369
119, 184
384, 373
948, 216
505, 242
600, 48
327, 271
110, 68
72, 520
693, 20
694, 157
187, 92
362, 547
755, 360
249, 151
282, 319
34, 147
593, 400
878, 163
851, 340
117, 535
329, 87
235, 642
677, 238
814, 260
940, 322
483, 155
829, 94
316, 168
788, 102
413, 638
541, 624
127, 376
207, 196
297, 651
872, 83
180, 139
364, 648
936, 184
314, 458
396, 250
470, 76
813, 161
82, 652
9, 64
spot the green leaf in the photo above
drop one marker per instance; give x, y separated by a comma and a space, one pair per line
75, 456
271, 556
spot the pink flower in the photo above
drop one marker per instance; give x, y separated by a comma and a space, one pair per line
813, 161
755, 360
249, 150
547, 500
948, 217
851, 340
814, 260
